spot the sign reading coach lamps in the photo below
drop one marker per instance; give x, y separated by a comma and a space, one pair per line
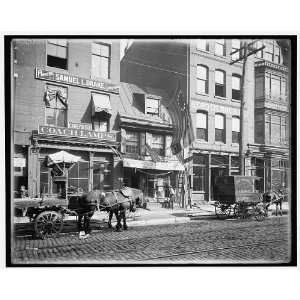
80, 133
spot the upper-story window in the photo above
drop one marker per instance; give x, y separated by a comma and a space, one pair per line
220, 84
259, 54
132, 142
57, 53
152, 106
56, 105
236, 87
220, 134
235, 46
158, 144
202, 45
235, 129
276, 55
100, 124
101, 60
202, 79
269, 51
275, 87
220, 48
201, 125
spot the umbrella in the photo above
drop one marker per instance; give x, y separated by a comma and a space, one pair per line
62, 157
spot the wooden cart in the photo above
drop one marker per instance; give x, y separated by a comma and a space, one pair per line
239, 196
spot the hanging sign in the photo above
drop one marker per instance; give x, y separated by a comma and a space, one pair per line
19, 162
76, 81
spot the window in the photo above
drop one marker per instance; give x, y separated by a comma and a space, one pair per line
259, 54
199, 172
220, 47
100, 125
201, 125
276, 55
220, 89
269, 51
56, 106
44, 178
78, 176
275, 87
202, 45
276, 130
236, 87
202, 79
132, 142
101, 60
57, 54
102, 175
220, 128
236, 45
152, 107
235, 130
158, 144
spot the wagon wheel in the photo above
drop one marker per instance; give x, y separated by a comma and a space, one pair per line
222, 210
240, 211
259, 213
48, 223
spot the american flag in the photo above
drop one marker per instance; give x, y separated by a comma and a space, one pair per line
154, 155
181, 117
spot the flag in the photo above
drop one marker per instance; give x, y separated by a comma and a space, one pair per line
181, 118
153, 153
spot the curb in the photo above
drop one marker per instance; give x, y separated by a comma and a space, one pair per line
163, 221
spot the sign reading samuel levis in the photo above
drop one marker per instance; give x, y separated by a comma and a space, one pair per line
80, 133
75, 80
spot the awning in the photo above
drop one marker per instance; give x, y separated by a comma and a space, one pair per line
62, 157
101, 103
144, 164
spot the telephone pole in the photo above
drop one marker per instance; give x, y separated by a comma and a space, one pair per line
247, 48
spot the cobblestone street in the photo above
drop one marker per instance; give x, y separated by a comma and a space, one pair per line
202, 241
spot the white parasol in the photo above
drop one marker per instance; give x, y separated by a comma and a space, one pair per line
62, 157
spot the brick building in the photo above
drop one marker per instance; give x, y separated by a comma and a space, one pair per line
213, 88
65, 94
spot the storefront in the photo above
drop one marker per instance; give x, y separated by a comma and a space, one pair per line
96, 168
153, 177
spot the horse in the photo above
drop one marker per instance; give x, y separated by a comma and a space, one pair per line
274, 197
114, 202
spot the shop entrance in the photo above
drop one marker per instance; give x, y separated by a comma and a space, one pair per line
131, 178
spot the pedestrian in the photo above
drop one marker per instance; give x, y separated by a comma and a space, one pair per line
171, 196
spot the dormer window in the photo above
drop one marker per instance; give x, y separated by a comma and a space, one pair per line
152, 106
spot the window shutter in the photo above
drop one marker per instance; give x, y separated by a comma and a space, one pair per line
123, 140
168, 152
142, 143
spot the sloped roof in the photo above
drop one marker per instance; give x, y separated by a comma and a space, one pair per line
129, 110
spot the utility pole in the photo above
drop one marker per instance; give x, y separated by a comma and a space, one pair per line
245, 51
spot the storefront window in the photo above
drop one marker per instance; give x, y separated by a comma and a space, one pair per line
44, 178
102, 176
78, 176
199, 172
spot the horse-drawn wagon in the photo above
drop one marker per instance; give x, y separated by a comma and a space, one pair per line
239, 196
47, 213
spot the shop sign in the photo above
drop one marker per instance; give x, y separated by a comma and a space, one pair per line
271, 65
80, 133
19, 162
84, 126
75, 80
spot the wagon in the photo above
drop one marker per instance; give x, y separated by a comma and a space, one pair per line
47, 212
239, 196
